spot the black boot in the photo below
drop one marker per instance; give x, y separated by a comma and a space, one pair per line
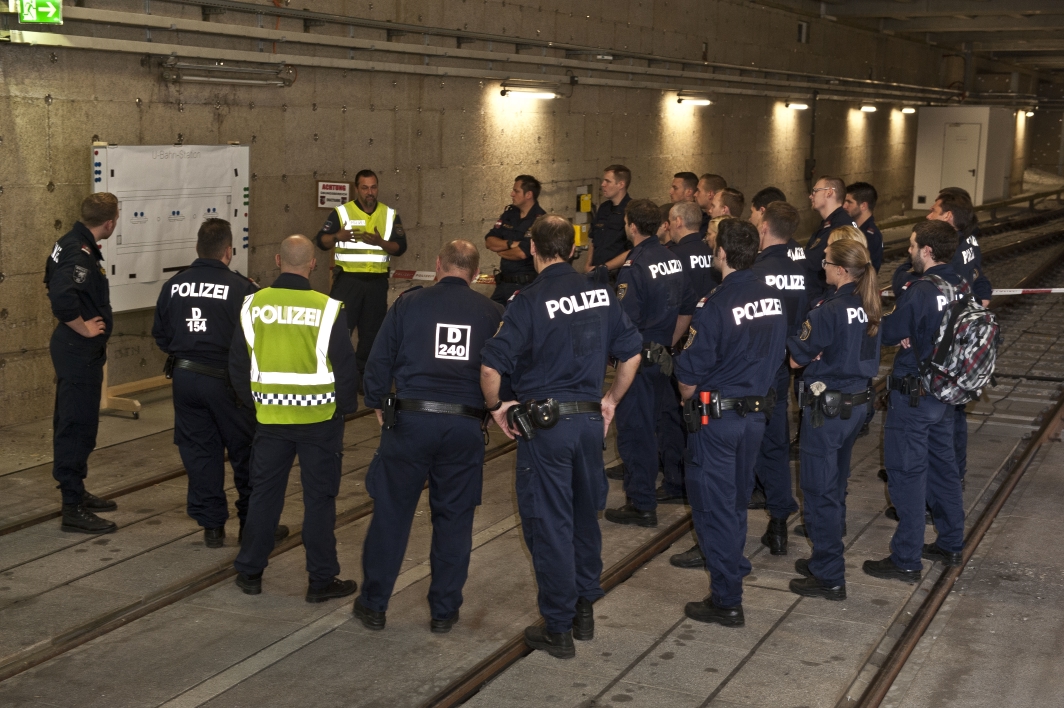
557, 644
335, 588
78, 519
584, 621
94, 503
933, 553
706, 611
250, 584
616, 472
371, 619
630, 515
214, 538
776, 537
443, 626
887, 570
757, 499
811, 587
691, 558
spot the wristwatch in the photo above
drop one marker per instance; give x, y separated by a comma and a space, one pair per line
496, 407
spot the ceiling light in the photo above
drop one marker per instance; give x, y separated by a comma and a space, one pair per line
908, 110
530, 89
1030, 114
798, 106
868, 108
693, 99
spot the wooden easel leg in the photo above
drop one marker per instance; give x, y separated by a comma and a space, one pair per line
110, 403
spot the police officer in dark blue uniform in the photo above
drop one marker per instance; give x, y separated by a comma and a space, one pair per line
430, 346
839, 347
555, 340
650, 288
860, 202
725, 372
781, 265
827, 200
696, 258
509, 238
918, 447
81, 301
760, 202
608, 242
195, 316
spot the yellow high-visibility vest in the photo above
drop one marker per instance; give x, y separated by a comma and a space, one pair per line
358, 256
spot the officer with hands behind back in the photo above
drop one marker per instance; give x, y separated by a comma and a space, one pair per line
839, 346
555, 339
81, 301
827, 199
195, 317
650, 289
509, 239
725, 372
918, 442
292, 360
430, 346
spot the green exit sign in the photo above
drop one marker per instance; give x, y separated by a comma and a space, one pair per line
41, 12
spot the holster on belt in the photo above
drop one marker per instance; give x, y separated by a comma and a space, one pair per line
655, 353
168, 367
518, 418
543, 414
388, 411
692, 414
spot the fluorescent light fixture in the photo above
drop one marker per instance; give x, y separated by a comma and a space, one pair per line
693, 99
908, 110
1030, 114
868, 108
530, 89
798, 106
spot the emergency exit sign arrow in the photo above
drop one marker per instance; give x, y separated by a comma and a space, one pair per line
41, 12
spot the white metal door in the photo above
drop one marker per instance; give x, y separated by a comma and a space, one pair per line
960, 157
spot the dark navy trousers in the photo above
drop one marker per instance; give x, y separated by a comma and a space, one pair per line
960, 439
720, 477
207, 422
672, 438
320, 450
366, 303
921, 470
825, 459
637, 440
773, 468
78, 363
561, 487
448, 451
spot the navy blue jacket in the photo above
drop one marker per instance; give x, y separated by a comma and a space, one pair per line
837, 330
511, 227
818, 244
77, 282
650, 286
198, 310
557, 336
917, 316
782, 267
875, 241
967, 262
341, 356
737, 339
430, 345
607, 231
699, 276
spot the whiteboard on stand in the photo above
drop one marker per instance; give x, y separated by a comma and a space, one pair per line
164, 193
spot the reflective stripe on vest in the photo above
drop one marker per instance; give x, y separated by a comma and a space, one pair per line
358, 256
287, 334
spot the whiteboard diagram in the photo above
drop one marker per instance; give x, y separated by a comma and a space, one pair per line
164, 193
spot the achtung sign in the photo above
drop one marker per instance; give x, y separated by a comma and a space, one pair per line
40, 12
333, 194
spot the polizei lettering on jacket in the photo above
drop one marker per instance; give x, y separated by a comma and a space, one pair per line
276, 314
212, 290
666, 268
764, 307
701, 261
578, 303
786, 282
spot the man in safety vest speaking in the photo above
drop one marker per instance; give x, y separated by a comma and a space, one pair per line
364, 234
291, 359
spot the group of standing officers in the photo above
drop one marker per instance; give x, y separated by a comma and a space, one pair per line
704, 316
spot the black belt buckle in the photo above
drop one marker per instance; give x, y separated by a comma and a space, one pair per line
388, 411
544, 415
168, 367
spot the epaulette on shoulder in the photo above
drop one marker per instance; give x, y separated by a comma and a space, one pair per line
411, 289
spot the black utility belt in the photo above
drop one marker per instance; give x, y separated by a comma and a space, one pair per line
909, 385
525, 418
439, 407
706, 405
522, 279
832, 404
174, 362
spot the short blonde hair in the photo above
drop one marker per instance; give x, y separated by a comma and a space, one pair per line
849, 232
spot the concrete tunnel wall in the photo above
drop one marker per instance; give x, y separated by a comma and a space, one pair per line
446, 149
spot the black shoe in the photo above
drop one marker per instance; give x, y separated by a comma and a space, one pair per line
933, 553
811, 587
250, 584
371, 619
801, 566
691, 558
557, 644
706, 611
882, 474
666, 497
886, 569
616, 472
891, 513
799, 530
78, 519
584, 621
94, 503
336, 588
443, 626
776, 537
860, 433
757, 499
279, 534
214, 538
630, 515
